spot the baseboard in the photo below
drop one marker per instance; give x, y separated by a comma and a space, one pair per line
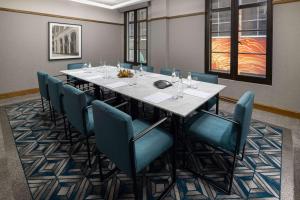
267, 108
19, 93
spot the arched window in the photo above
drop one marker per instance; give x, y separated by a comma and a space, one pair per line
73, 43
66, 45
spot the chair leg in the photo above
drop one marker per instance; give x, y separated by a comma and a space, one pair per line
243, 153
232, 173
135, 188
217, 105
43, 104
54, 118
88, 150
70, 133
50, 110
100, 168
65, 126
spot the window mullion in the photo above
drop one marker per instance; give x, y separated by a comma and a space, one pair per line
234, 38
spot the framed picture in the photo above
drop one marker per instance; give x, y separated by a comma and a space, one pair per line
65, 41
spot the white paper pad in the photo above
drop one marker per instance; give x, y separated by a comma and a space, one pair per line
153, 75
77, 72
117, 84
158, 97
197, 93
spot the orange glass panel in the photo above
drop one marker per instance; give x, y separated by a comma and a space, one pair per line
252, 45
251, 64
221, 44
220, 62
220, 57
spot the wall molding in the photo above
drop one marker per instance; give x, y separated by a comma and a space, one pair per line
58, 16
283, 1
177, 16
270, 109
19, 93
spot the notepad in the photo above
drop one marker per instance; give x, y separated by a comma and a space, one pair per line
197, 93
158, 97
117, 84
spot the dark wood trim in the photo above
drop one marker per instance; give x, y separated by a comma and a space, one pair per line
58, 16
19, 93
136, 36
270, 109
234, 44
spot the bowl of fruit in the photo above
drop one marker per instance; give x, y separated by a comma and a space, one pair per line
125, 73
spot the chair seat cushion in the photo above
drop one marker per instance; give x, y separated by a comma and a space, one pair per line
151, 146
89, 121
213, 130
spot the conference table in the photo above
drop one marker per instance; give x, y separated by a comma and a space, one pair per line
140, 88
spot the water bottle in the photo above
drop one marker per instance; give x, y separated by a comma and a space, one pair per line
189, 80
180, 88
90, 65
141, 70
173, 79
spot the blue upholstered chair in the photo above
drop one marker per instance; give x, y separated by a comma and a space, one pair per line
146, 68
126, 65
73, 66
43, 86
55, 87
223, 133
138, 143
168, 71
79, 113
209, 78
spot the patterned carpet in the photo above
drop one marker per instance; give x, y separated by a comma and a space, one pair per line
55, 170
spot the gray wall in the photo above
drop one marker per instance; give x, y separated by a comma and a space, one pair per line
186, 40
24, 48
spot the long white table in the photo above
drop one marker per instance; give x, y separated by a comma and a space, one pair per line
181, 107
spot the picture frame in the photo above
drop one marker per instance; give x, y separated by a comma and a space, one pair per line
65, 41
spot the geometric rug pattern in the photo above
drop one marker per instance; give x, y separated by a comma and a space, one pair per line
56, 170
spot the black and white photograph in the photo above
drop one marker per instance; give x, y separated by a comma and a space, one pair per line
64, 41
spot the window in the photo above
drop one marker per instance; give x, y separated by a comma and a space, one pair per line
239, 39
136, 36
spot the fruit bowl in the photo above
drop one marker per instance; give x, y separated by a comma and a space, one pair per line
125, 74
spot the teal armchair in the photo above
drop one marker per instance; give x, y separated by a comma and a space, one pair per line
43, 87
79, 113
73, 66
209, 78
230, 136
148, 68
138, 143
168, 71
55, 87
126, 65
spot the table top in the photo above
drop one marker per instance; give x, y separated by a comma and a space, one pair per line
107, 77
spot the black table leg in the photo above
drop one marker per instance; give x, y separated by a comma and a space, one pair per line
97, 92
134, 108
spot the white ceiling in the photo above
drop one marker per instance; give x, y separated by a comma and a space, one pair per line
110, 4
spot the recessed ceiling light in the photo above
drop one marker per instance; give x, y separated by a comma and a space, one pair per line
103, 4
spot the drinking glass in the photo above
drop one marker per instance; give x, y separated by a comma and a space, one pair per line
141, 70
195, 82
189, 80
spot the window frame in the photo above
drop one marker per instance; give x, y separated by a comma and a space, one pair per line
136, 36
233, 74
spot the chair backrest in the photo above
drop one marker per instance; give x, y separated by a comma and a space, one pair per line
148, 68
168, 71
243, 115
113, 130
74, 102
209, 78
75, 66
43, 79
126, 65
55, 93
